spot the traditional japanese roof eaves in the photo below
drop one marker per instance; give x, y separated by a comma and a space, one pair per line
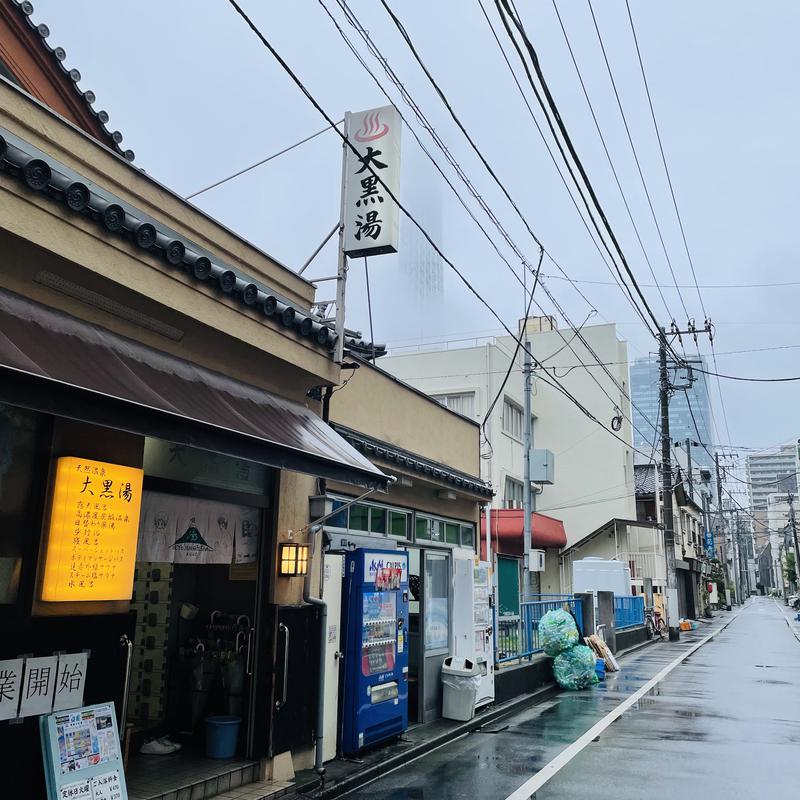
374, 448
44, 175
59, 55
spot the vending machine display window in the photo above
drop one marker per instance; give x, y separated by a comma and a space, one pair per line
379, 633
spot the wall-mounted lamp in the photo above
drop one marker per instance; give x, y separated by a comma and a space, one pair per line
292, 559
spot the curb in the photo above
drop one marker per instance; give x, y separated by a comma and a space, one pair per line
313, 791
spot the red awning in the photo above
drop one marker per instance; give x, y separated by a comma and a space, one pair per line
507, 531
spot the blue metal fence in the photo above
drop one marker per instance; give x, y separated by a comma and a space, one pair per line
628, 611
517, 636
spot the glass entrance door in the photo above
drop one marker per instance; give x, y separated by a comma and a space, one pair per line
435, 634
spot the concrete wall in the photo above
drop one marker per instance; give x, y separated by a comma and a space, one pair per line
594, 471
377, 404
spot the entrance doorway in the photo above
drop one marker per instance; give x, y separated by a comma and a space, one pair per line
191, 715
429, 630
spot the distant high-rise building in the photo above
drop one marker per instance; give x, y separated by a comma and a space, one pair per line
689, 413
770, 473
421, 267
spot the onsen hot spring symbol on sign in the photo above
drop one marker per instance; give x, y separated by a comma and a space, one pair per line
371, 182
372, 127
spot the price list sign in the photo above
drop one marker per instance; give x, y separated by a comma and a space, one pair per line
94, 527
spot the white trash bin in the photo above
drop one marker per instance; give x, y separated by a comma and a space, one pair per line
461, 678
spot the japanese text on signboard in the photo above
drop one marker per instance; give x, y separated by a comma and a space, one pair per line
94, 525
371, 217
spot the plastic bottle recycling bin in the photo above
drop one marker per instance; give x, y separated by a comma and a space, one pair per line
461, 679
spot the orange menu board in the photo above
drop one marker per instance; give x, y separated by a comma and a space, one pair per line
94, 527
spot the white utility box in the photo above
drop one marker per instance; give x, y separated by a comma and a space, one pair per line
594, 574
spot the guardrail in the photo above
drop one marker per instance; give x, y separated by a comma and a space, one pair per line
628, 611
517, 636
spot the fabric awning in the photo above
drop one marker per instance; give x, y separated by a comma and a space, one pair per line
58, 364
507, 531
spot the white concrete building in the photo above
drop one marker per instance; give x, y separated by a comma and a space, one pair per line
778, 515
594, 476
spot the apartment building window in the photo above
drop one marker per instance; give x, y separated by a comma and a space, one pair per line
512, 497
461, 402
513, 419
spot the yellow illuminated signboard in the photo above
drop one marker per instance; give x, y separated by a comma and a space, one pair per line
94, 527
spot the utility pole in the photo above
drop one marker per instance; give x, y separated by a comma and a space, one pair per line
689, 467
725, 532
341, 280
793, 523
666, 477
527, 495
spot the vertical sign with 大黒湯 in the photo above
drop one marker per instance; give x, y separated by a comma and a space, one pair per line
371, 216
94, 525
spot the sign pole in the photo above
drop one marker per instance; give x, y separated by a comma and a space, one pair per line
341, 280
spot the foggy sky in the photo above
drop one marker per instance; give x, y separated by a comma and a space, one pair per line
197, 97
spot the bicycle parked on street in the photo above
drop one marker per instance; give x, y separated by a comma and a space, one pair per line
654, 623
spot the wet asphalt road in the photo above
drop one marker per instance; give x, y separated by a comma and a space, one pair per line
724, 724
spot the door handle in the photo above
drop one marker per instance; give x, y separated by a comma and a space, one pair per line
124, 641
284, 629
249, 654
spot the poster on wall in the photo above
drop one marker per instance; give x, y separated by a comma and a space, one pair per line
82, 753
188, 530
436, 623
246, 536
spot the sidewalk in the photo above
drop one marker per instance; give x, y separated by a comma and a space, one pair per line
789, 615
342, 775
440, 742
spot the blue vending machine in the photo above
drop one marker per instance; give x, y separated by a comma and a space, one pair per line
375, 622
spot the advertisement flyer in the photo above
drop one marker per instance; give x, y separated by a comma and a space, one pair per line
86, 738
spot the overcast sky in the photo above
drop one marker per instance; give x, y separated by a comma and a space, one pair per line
197, 97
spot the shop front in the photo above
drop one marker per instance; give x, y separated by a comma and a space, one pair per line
133, 359
431, 512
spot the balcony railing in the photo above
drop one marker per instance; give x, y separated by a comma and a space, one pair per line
518, 635
645, 565
628, 611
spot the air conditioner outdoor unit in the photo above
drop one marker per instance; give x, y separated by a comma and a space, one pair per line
536, 560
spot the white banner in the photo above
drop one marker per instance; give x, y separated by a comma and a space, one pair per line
371, 217
38, 686
70, 681
10, 685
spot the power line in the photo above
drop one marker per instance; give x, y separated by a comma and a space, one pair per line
296, 80
675, 205
352, 19
786, 379
551, 104
663, 156
683, 285
398, 24
513, 358
636, 159
259, 163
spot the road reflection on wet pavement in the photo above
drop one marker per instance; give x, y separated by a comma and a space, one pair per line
725, 723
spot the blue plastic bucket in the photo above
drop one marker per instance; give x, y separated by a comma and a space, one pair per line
222, 734
600, 668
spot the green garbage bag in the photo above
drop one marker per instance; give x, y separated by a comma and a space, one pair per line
575, 668
557, 632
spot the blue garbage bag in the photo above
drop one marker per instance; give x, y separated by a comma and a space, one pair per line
575, 668
557, 632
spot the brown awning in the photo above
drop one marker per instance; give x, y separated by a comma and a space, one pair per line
56, 363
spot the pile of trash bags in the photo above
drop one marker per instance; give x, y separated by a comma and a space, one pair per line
573, 663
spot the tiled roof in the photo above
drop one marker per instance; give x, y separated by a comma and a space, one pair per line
374, 448
645, 478
59, 56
